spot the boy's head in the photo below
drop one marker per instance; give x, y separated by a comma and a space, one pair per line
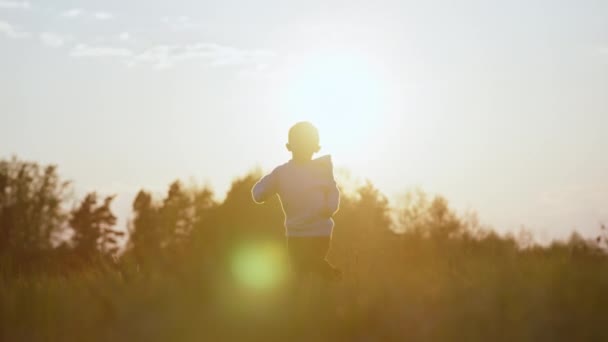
303, 140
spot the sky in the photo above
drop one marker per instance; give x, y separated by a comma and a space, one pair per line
500, 106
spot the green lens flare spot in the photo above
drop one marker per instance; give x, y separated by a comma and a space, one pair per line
258, 265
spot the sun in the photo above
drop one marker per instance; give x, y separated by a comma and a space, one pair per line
343, 94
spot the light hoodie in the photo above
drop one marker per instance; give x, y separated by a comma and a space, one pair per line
308, 195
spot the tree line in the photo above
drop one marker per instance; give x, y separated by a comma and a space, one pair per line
41, 231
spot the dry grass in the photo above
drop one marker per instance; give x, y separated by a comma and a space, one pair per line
410, 289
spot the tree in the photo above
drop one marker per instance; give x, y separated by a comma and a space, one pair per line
178, 226
176, 216
31, 214
242, 218
362, 226
420, 216
145, 237
93, 226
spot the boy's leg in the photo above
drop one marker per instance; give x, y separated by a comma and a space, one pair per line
296, 248
296, 251
322, 266
311, 279
302, 283
308, 255
327, 276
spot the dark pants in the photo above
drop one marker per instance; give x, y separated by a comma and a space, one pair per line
307, 256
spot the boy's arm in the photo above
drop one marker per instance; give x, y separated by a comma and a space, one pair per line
265, 188
333, 199
333, 194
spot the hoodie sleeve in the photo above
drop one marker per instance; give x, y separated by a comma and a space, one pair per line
333, 198
333, 194
265, 187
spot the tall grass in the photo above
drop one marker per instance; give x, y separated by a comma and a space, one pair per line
442, 278
412, 288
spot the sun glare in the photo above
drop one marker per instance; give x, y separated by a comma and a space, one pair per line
340, 93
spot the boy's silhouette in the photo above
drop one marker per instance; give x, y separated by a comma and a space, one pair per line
309, 198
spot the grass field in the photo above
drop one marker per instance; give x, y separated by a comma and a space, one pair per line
442, 278
413, 289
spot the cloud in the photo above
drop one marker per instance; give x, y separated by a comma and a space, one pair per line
603, 50
52, 39
124, 36
167, 56
214, 55
180, 23
73, 13
24, 5
12, 32
103, 15
83, 50
158, 56
79, 12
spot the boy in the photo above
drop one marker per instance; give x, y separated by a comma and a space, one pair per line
309, 198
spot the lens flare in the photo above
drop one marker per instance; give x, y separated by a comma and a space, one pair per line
259, 265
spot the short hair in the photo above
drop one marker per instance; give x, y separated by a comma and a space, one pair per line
303, 132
